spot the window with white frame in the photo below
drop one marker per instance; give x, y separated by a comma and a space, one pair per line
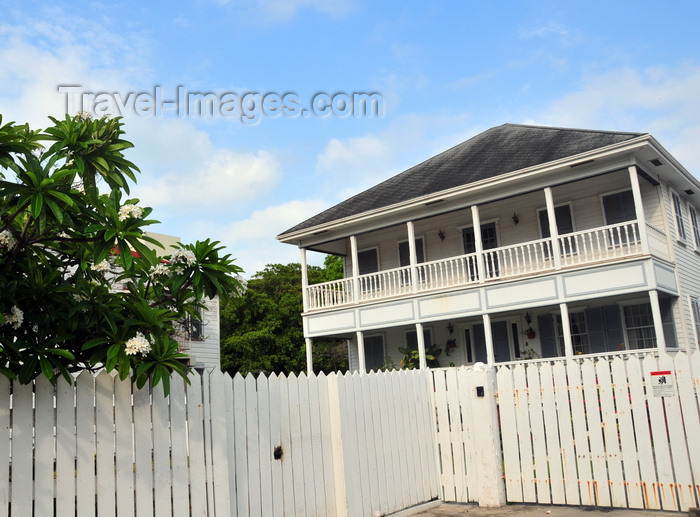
579, 333
694, 224
680, 221
639, 326
695, 305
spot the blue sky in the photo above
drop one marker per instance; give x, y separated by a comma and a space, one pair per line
445, 71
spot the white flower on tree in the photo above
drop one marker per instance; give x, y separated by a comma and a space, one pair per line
138, 345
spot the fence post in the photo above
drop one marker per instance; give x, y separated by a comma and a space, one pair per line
491, 487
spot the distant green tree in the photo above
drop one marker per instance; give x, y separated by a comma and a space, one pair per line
261, 331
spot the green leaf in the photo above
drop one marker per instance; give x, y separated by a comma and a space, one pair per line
37, 204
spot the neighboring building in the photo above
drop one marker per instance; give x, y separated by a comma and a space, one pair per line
521, 242
198, 339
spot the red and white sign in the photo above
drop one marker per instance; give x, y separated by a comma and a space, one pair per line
662, 383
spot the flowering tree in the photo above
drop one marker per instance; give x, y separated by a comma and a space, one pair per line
79, 286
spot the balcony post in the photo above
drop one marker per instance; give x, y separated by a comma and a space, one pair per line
553, 230
355, 270
488, 337
361, 352
304, 281
309, 356
639, 209
478, 244
566, 330
658, 321
420, 338
413, 256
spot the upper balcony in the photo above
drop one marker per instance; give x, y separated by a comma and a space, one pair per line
528, 259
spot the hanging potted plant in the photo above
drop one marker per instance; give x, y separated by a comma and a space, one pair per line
530, 333
450, 345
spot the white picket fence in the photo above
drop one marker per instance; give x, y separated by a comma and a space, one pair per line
593, 433
584, 432
347, 445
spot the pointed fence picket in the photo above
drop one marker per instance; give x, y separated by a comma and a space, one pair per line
454, 428
576, 432
592, 432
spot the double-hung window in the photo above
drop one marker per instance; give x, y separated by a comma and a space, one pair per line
694, 224
639, 326
695, 305
680, 221
579, 333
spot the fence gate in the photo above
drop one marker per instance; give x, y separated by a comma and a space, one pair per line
605, 432
455, 427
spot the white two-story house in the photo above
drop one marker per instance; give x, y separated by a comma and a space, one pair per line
523, 242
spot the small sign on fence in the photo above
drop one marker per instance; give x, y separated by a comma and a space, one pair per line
662, 383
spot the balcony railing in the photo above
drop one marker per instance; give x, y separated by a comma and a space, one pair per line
613, 242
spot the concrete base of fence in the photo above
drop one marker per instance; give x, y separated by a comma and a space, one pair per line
492, 490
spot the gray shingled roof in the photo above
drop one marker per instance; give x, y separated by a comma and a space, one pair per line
497, 151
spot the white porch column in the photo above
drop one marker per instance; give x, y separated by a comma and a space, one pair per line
658, 321
355, 270
304, 281
413, 256
566, 330
309, 356
553, 230
478, 243
488, 337
361, 352
639, 208
420, 338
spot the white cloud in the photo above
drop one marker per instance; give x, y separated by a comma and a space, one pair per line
662, 101
354, 164
39, 54
252, 240
183, 172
